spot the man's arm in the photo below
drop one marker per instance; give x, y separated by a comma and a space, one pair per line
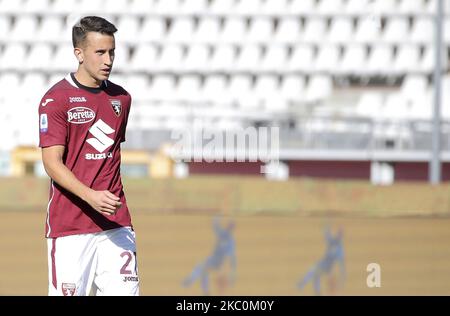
102, 201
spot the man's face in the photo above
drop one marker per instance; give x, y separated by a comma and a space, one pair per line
98, 55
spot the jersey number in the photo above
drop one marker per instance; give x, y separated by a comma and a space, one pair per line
124, 269
99, 130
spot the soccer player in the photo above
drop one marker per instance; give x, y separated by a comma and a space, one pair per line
82, 120
225, 247
334, 254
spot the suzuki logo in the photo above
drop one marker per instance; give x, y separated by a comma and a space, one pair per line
100, 129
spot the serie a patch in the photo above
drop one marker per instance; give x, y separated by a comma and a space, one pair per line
43, 123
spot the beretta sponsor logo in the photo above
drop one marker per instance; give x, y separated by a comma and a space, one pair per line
80, 115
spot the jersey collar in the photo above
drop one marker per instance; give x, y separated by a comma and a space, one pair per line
74, 82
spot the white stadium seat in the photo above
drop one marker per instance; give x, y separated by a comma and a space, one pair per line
239, 89
170, 59
214, 89
266, 86
341, 31
138, 86
36, 85
384, 6
331, 7
39, 57
421, 107
248, 7
266, 91
353, 60
302, 7
275, 59
128, 29
260, 30
64, 6
380, 61
163, 87
87, 7
197, 59
64, 59
10, 83
142, 6
368, 30
319, 88
422, 30
121, 59
166, 7
153, 30
369, 105
293, 87
182, 30
428, 60
357, 7
13, 57
117, 6
189, 88
288, 30
315, 30
407, 59
328, 59
223, 58
51, 29
249, 58
12, 6
144, 58
414, 86
234, 30
302, 59
224, 7
5, 27
208, 30
23, 29
396, 30
36, 6
411, 7
198, 7
275, 7
395, 108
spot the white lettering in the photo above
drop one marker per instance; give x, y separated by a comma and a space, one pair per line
374, 277
101, 142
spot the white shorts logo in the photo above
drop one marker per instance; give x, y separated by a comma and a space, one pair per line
101, 142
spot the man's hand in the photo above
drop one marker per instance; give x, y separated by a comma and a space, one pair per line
103, 202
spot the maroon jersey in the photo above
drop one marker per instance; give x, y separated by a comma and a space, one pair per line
90, 123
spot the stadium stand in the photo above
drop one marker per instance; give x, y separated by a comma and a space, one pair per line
283, 62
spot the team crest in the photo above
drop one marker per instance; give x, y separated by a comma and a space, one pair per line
116, 106
68, 289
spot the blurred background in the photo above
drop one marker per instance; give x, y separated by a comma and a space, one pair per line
349, 84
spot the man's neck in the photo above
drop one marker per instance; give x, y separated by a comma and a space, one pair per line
86, 80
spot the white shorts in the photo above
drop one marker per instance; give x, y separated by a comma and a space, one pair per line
101, 263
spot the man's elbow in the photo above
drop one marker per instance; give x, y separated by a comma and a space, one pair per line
50, 165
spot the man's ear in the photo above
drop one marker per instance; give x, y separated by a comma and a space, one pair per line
78, 52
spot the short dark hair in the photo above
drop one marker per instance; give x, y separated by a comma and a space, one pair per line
90, 24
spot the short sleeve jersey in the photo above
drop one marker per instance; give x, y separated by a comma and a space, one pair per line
90, 123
